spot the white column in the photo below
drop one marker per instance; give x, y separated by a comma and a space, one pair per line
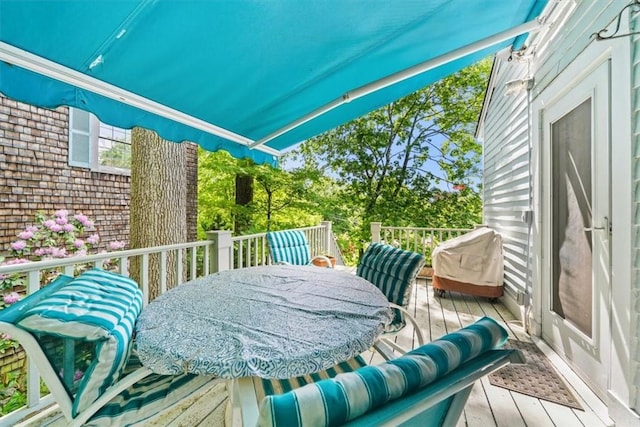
375, 231
221, 250
326, 241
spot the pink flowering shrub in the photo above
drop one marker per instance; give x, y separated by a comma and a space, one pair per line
59, 235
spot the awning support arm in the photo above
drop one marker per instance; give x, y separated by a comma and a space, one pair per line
43, 66
527, 27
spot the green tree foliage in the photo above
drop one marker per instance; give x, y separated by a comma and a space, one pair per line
216, 191
282, 199
400, 163
411, 163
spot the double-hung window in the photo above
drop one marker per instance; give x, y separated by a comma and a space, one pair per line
98, 146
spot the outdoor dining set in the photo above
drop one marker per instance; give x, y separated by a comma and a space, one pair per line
287, 338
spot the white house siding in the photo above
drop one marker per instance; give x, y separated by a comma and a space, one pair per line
635, 276
553, 57
506, 173
507, 162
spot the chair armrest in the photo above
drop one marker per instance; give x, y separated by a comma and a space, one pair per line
385, 346
413, 321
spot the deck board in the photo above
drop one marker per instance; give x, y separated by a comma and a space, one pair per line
488, 406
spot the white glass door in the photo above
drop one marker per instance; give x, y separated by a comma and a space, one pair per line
575, 306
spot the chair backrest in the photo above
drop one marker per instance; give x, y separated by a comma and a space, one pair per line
289, 246
393, 271
79, 332
434, 373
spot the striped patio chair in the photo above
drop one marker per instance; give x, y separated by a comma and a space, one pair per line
393, 271
291, 247
428, 386
79, 333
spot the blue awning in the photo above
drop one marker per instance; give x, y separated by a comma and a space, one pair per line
249, 76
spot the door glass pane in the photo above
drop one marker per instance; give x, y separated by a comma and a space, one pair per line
571, 214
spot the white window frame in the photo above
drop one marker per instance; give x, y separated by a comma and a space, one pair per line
93, 160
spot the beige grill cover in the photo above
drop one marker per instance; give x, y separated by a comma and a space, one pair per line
475, 257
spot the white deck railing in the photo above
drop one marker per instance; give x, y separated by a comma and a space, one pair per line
419, 239
174, 263
187, 261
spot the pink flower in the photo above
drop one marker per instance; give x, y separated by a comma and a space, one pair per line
41, 251
58, 252
62, 220
116, 245
61, 213
5, 336
25, 235
11, 298
18, 245
56, 228
93, 239
68, 227
78, 243
81, 218
31, 229
81, 252
49, 223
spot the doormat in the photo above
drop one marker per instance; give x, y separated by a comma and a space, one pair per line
536, 377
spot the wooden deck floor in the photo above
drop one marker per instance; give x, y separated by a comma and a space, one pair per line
487, 406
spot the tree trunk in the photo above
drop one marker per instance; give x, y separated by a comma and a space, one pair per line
244, 196
158, 202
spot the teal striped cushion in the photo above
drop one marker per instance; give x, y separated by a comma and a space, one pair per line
97, 306
393, 271
267, 387
147, 397
347, 396
289, 246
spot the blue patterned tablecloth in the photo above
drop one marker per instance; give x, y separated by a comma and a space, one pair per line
268, 321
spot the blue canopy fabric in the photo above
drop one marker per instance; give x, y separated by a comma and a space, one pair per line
247, 66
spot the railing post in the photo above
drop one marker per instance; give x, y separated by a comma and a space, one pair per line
220, 259
326, 241
375, 231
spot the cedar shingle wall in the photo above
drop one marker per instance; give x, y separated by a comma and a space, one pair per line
35, 176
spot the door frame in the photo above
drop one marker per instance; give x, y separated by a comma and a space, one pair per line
623, 394
547, 97
586, 354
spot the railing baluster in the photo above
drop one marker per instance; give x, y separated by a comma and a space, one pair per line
123, 265
232, 266
163, 272
205, 260
194, 262
68, 270
179, 269
144, 278
241, 254
33, 379
254, 254
265, 256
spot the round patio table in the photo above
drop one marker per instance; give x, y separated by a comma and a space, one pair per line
269, 321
